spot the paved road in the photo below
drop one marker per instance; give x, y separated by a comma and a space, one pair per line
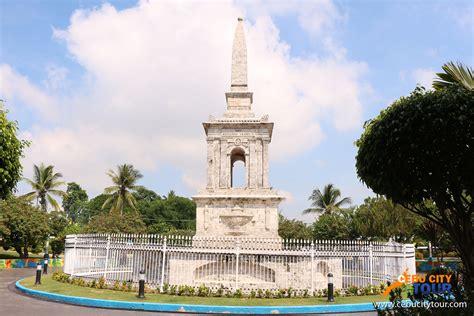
13, 302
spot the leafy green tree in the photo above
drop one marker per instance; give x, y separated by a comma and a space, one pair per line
92, 208
293, 229
381, 219
326, 201
334, 225
128, 223
75, 201
420, 149
440, 241
120, 193
169, 213
455, 74
11, 151
57, 223
22, 225
57, 244
144, 194
45, 183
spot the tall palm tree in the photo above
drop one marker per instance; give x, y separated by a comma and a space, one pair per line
454, 73
120, 193
45, 183
326, 201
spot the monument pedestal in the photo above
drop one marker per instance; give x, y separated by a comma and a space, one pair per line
236, 212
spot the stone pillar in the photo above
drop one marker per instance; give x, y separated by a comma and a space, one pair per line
252, 165
259, 163
266, 183
216, 166
210, 163
223, 160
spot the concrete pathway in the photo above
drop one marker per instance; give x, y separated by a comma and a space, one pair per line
12, 302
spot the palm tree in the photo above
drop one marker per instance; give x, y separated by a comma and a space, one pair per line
45, 183
326, 201
454, 74
124, 181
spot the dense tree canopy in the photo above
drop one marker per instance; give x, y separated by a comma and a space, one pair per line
128, 223
293, 229
421, 149
335, 225
11, 150
22, 225
381, 219
75, 201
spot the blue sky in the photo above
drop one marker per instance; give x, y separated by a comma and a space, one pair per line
132, 82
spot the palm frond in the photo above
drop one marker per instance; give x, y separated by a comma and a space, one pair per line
53, 202
454, 73
107, 202
29, 196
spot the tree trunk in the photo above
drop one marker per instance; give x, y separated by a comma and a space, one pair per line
25, 252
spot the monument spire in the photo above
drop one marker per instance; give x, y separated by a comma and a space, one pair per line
239, 99
238, 80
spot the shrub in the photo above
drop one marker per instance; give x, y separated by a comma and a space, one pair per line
260, 293
268, 294
352, 290
253, 294
61, 277
305, 293
220, 291
238, 293
203, 290
101, 283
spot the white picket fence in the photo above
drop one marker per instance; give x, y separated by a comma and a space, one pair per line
244, 263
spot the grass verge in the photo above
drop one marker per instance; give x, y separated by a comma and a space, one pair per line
12, 254
52, 286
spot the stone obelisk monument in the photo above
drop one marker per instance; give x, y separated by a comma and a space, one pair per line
223, 210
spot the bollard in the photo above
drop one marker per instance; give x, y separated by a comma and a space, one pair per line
45, 261
141, 284
38, 273
330, 287
45, 266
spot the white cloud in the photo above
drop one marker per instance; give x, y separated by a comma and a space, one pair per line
17, 88
56, 77
424, 77
157, 70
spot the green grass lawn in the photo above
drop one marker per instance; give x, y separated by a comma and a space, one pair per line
50, 285
12, 254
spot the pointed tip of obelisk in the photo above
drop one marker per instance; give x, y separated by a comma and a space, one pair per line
239, 59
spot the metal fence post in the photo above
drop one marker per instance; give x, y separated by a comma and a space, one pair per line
107, 250
237, 254
404, 264
312, 267
371, 257
163, 249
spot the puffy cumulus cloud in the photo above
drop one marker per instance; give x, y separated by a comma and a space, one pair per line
156, 71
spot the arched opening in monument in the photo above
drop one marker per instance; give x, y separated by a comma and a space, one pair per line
238, 172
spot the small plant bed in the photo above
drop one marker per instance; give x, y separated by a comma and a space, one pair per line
128, 293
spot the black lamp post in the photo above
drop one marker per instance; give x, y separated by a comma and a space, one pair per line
330, 287
141, 284
38, 273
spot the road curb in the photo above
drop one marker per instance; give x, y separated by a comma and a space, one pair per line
190, 308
